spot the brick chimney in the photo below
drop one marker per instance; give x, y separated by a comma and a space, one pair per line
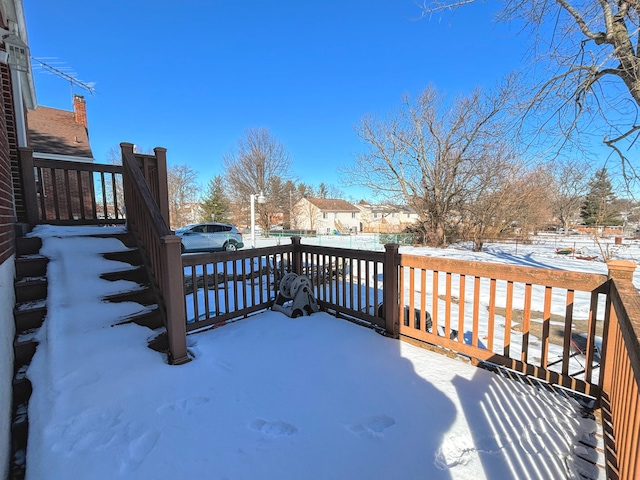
80, 110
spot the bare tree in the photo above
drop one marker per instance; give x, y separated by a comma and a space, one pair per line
506, 198
429, 153
530, 209
569, 188
305, 212
183, 195
587, 56
253, 167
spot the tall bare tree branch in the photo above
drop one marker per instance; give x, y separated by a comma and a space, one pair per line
588, 51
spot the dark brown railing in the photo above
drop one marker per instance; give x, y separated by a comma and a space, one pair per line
66, 193
227, 285
154, 170
161, 249
348, 282
620, 399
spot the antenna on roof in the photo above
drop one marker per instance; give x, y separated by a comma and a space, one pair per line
70, 77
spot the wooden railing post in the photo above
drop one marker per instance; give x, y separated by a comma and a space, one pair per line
173, 292
621, 269
125, 148
163, 185
297, 256
29, 189
390, 290
620, 373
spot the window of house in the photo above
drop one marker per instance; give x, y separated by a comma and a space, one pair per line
324, 215
375, 215
353, 214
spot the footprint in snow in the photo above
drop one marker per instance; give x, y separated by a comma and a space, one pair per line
137, 450
187, 405
373, 426
274, 429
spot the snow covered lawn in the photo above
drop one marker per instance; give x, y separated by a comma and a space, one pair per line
271, 397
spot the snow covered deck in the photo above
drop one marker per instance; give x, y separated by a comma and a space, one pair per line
271, 397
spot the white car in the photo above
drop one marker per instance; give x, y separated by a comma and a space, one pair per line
210, 236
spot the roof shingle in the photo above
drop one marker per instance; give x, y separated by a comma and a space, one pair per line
55, 131
332, 205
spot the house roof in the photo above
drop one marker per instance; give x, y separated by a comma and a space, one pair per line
386, 208
56, 131
332, 205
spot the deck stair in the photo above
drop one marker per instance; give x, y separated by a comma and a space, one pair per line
30, 311
30, 288
150, 316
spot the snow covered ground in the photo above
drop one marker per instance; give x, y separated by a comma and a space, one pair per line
277, 398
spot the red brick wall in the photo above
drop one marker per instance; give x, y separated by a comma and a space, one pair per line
80, 110
8, 152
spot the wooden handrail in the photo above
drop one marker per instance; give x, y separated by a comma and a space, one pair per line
162, 251
620, 383
78, 166
129, 162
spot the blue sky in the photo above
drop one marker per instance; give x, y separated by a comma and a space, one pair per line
191, 76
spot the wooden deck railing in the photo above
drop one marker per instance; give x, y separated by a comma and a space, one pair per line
485, 311
67, 193
345, 281
161, 249
226, 285
229, 285
585, 338
154, 171
620, 399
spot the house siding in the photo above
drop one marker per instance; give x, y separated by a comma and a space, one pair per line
7, 264
7, 134
314, 216
9, 142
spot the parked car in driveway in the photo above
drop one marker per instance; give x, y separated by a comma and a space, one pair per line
210, 236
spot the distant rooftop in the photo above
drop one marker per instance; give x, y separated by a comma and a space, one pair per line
60, 132
332, 205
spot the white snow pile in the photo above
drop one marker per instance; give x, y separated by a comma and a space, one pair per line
272, 397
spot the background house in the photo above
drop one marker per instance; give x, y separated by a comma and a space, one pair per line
385, 218
326, 216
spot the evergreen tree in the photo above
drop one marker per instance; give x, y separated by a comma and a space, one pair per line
216, 206
597, 209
